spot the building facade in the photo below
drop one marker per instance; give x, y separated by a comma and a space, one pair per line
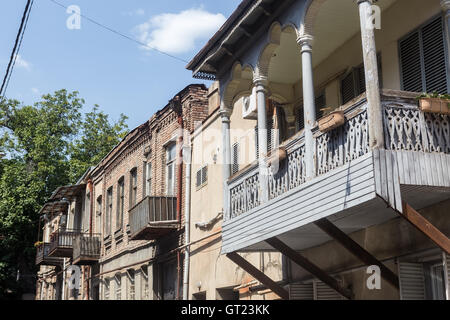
351, 178
133, 204
308, 171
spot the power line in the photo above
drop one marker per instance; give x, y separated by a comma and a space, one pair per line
122, 34
16, 49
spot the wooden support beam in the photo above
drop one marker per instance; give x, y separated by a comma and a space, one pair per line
425, 226
258, 275
309, 266
361, 253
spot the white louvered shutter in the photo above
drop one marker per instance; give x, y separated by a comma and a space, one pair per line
423, 61
324, 292
320, 103
235, 165
301, 291
434, 57
412, 281
348, 88
446, 259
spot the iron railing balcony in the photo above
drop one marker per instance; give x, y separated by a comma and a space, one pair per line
86, 249
61, 243
43, 258
153, 218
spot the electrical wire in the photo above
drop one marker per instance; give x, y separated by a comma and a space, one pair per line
123, 35
16, 48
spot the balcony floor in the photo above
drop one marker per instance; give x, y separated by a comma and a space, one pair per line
354, 197
156, 230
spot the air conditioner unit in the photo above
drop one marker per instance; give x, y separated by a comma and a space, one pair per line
249, 107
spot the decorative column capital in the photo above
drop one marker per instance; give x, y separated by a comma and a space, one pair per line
362, 1
306, 42
225, 114
445, 4
260, 80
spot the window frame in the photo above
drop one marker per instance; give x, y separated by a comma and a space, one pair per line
133, 187
109, 210
120, 203
170, 165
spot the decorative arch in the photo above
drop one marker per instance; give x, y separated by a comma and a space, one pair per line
237, 85
273, 42
309, 17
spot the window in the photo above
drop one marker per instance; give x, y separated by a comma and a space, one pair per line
118, 287
424, 279
423, 62
202, 177
108, 218
87, 211
133, 187
106, 289
120, 202
98, 214
170, 169
144, 283
320, 103
235, 159
131, 284
148, 179
354, 83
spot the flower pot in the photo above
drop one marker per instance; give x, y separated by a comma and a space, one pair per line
434, 105
332, 121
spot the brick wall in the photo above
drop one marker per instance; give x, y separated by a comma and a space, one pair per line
155, 134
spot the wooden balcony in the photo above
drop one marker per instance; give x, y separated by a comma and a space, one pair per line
153, 218
86, 249
61, 243
43, 258
352, 182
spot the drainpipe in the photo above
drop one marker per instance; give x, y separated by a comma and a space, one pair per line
178, 108
91, 205
187, 209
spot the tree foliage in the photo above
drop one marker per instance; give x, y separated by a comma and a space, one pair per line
44, 146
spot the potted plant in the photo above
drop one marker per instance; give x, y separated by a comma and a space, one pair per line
434, 103
37, 244
332, 120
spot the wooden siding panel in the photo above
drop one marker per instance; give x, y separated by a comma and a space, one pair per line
342, 188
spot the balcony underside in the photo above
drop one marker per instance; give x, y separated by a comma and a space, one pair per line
156, 230
49, 261
61, 252
86, 260
358, 195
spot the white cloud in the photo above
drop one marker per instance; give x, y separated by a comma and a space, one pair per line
35, 90
178, 33
21, 63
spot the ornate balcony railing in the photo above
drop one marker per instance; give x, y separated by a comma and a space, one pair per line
153, 217
406, 127
86, 249
61, 243
43, 259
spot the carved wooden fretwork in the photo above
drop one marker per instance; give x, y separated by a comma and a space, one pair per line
288, 176
245, 196
343, 144
407, 128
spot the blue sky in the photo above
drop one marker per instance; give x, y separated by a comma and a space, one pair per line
117, 74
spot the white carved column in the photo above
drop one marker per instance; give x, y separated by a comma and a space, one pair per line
261, 83
225, 114
374, 111
309, 107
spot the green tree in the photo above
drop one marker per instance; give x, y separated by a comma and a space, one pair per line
44, 146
